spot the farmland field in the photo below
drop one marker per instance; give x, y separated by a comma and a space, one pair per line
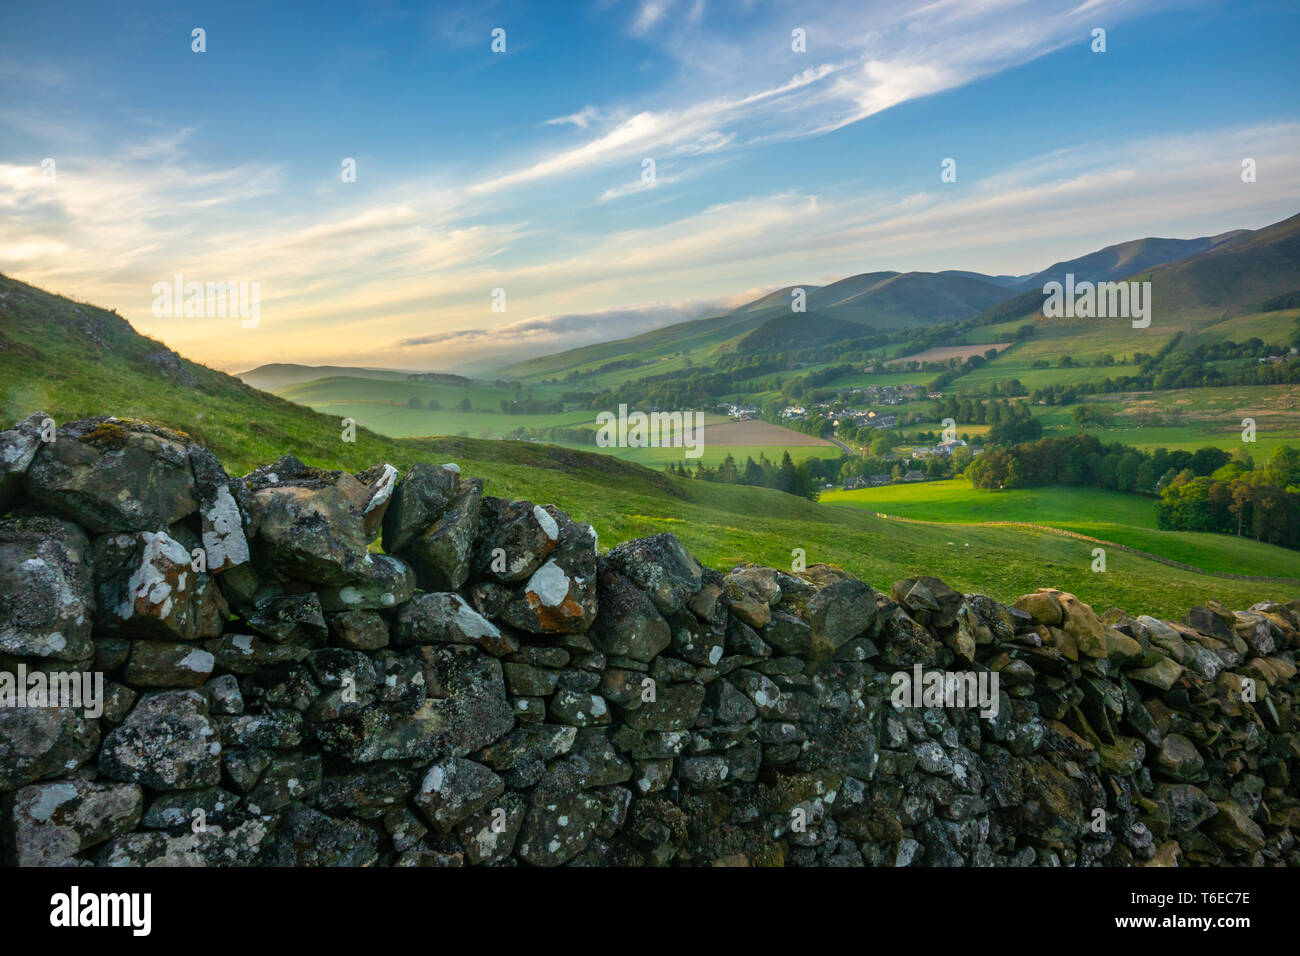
945, 352
1110, 516
383, 407
1187, 419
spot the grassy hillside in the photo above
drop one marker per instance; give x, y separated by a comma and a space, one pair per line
1107, 515
382, 407
75, 360
879, 300
1197, 282
279, 375
1190, 418
1126, 258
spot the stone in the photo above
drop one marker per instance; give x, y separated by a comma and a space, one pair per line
561, 819
381, 482
1163, 674
578, 709
441, 553
168, 664
675, 707
37, 743
1209, 623
1179, 760
182, 809
289, 778
455, 789
247, 654
386, 584
489, 837
517, 536
240, 845
524, 680
751, 592
146, 587
225, 545
18, 447
840, 608
53, 822
359, 630
47, 599
307, 523
367, 792
1042, 606
296, 619
1232, 827
114, 475
662, 567
167, 742
419, 499
307, 837
441, 617
629, 624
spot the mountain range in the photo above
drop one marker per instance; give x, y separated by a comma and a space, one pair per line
1193, 279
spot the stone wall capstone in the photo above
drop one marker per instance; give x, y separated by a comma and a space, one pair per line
306, 667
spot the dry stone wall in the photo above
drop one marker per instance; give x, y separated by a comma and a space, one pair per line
308, 667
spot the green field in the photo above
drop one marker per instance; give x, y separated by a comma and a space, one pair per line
1188, 419
1111, 516
48, 366
381, 406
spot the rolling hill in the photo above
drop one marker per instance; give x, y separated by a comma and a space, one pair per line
278, 375
1126, 258
1236, 273
1212, 276
73, 360
877, 300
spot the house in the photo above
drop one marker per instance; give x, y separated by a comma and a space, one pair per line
914, 475
853, 484
946, 448
878, 480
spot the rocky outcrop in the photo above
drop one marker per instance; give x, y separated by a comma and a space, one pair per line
309, 667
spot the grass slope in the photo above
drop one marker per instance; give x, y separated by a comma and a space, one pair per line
75, 360
1108, 515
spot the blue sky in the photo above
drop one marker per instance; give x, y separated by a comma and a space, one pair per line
522, 170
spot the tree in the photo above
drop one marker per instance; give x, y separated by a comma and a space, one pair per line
413, 401
1283, 468
786, 479
1241, 495
727, 470
1205, 461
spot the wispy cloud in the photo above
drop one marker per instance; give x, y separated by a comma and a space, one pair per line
401, 271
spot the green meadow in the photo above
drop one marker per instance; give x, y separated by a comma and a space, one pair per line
1110, 516
47, 366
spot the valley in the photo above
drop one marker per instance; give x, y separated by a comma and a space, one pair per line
873, 404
